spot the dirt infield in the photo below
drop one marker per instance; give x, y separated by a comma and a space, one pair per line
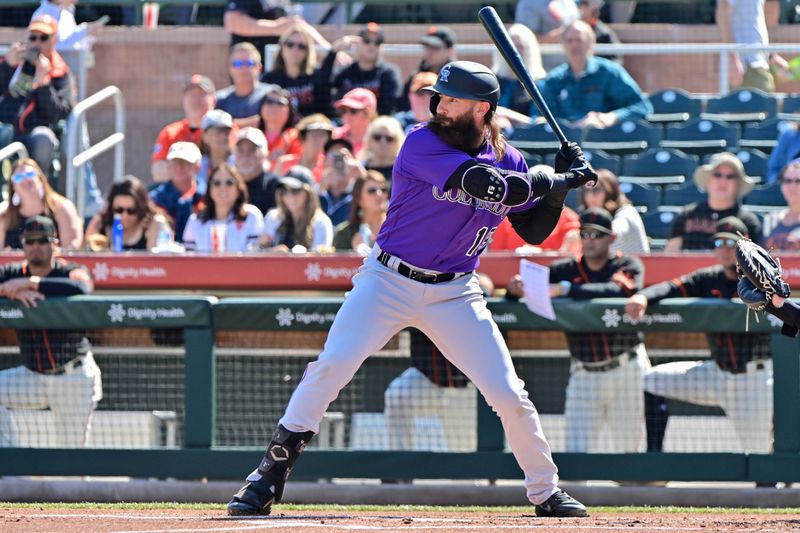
57, 520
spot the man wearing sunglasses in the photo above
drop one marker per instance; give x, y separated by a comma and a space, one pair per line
370, 71
58, 371
738, 375
242, 100
607, 370
35, 91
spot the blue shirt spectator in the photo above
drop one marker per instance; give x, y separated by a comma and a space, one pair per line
788, 149
178, 197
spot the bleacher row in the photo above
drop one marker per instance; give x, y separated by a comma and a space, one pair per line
655, 158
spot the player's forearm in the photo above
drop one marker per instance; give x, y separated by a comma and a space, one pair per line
789, 313
534, 225
241, 24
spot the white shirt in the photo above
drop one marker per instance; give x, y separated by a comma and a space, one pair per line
71, 36
241, 235
322, 229
629, 228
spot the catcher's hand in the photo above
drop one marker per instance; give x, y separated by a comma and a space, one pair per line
760, 275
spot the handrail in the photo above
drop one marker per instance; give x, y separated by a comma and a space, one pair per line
14, 148
76, 160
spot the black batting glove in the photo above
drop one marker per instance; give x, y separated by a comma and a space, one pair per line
565, 157
579, 173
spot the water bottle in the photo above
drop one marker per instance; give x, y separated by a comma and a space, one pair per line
366, 234
163, 240
117, 234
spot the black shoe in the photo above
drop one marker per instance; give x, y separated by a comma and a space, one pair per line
561, 505
255, 498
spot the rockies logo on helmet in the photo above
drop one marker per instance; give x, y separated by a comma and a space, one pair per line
468, 80
445, 73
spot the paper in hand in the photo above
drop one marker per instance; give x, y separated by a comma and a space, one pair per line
536, 283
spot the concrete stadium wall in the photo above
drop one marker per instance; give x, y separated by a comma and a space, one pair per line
151, 66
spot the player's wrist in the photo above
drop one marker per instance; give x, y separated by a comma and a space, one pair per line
33, 282
566, 286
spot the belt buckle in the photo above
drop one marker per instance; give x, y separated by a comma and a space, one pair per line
422, 277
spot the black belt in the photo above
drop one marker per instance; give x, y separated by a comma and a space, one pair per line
417, 275
70, 365
609, 364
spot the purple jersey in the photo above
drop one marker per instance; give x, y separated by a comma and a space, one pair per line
435, 229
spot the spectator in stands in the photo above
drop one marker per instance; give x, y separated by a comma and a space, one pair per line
250, 157
142, 224
737, 377
313, 132
439, 49
788, 149
419, 100
607, 370
36, 92
628, 226
226, 222
367, 213
71, 35
215, 146
31, 195
591, 91
547, 19
382, 144
58, 371
278, 117
358, 108
725, 181
297, 224
782, 228
565, 237
370, 71
295, 69
340, 172
178, 197
603, 34
512, 95
198, 99
261, 23
242, 100
743, 22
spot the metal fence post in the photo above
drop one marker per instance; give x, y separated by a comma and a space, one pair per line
786, 391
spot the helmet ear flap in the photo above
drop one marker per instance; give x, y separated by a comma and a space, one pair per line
435, 97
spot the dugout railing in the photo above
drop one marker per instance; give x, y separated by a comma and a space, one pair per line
206, 331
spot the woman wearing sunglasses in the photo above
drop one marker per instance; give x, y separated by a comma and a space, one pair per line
30, 194
297, 224
278, 118
382, 144
225, 222
367, 213
782, 228
141, 221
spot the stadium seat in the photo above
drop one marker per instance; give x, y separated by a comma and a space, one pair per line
763, 136
790, 110
626, 137
700, 136
681, 195
572, 201
658, 225
673, 105
755, 163
741, 105
768, 195
600, 159
641, 196
531, 159
659, 166
539, 138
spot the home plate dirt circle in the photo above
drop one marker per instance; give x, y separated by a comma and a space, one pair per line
54, 520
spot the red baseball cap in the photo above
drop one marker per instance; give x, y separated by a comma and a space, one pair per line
358, 98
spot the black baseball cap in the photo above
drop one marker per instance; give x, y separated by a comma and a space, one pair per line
372, 28
730, 228
439, 37
296, 177
38, 226
597, 219
343, 143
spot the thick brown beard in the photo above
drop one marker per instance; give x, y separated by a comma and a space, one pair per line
460, 132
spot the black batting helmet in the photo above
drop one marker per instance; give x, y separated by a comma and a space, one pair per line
465, 79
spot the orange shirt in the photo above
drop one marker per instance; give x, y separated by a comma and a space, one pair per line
505, 238
284, 144
172, 133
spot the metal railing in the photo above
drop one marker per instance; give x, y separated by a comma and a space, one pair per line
75, 186
12, 149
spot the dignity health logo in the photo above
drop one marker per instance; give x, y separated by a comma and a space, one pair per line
119, 312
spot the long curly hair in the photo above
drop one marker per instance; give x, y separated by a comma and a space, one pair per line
133, 187
301, 231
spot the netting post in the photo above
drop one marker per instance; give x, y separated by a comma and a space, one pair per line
200, 387
786, 391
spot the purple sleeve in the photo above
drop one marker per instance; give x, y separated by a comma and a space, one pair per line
426, 158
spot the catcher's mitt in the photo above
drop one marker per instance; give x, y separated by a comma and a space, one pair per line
761, 270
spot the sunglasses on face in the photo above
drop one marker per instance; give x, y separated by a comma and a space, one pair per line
727, 243
592, 235
726, 176
19, 177
30, 241
243, 63
350, 111
275, 101
42, 38
790, 181
299, 46
376, 42
377, 137
129, 210
375, 190
220, 183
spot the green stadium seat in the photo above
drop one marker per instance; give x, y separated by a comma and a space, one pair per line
539, 138
673, 105
741, 105
768, 195
626, 137
682, 195
600, 159
659, 166
643, 197
701, 136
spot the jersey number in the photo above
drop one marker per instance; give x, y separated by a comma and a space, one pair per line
482, 239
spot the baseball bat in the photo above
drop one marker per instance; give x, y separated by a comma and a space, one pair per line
494, 27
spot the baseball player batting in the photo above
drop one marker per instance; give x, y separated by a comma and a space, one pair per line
454, 181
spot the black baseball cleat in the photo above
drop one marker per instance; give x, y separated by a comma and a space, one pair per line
255, 498
561, 505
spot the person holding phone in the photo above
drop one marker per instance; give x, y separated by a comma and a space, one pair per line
71, 35
340, 171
